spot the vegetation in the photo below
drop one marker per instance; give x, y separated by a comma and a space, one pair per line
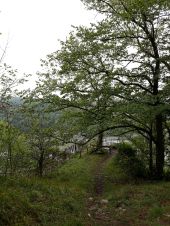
130, 163
113, 76
108, 79
135, 202
64, 197
56, 200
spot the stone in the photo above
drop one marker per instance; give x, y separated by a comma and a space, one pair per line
99, 211
91, 199
104, 201
92, 208
121, 209
167, 215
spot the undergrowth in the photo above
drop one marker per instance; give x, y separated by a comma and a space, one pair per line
56, 200
61, 198
136, 202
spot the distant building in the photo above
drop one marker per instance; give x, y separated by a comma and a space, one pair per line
112, 140
70, 148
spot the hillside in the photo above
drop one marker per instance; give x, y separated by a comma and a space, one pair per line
91, 191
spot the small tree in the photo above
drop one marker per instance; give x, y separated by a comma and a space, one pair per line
40, 132
8, 83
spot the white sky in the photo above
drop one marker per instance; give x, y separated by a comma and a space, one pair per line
33, 27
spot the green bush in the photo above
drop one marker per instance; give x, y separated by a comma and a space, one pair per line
129, 162
156, 212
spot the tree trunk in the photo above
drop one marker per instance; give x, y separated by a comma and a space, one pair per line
160, 149
10, 157
80, 148
99, 142
150, 156
41, 164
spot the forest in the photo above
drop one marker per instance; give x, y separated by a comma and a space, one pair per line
90, 144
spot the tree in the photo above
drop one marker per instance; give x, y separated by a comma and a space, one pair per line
40, 133
117, 71
10, 135
87, 93
13, 150
145, 29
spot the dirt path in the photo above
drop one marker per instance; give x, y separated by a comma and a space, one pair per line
99, 178
98, 212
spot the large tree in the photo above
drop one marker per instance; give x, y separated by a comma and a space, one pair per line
117, 71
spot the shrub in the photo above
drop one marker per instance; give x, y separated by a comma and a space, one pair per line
156, 212
129, 162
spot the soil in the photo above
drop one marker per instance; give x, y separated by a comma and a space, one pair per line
98, 211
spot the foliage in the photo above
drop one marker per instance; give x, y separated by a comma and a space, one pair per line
40, 132
9, 83
56, 200
135, 202
129, 161
115, 73
62, 198
14, 151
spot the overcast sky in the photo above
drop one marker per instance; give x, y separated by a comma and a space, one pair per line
32, 28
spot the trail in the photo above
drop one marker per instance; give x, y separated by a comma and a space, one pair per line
99, 178
98, 212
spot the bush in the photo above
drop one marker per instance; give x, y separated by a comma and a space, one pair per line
167, 174
129, 162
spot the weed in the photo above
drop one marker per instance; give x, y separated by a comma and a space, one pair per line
156, 212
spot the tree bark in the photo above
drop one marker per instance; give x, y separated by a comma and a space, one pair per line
160, 149
41, 164
10, 157
150, 156
99, 142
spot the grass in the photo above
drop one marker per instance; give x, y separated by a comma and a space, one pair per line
138, 203
54, 201
61, 198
